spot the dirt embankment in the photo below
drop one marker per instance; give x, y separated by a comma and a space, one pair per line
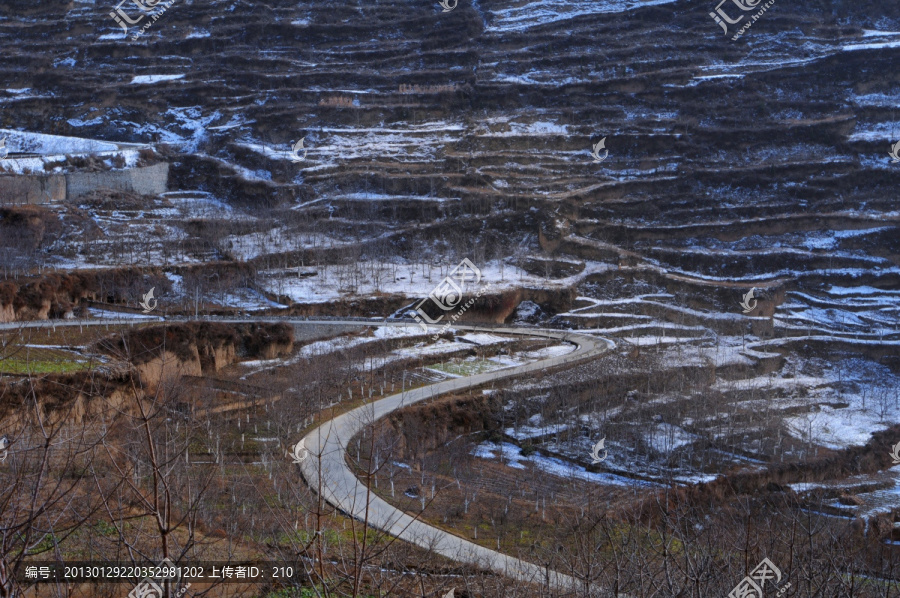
145, 358
195, 348
57, 398
65, 295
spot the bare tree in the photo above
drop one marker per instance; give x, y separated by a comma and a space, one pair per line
44, 495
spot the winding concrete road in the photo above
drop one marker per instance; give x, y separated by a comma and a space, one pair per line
326, 469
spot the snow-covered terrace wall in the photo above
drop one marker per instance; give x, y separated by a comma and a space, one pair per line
37, 168
56, 146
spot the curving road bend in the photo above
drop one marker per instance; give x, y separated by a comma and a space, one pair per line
327, 445
327, 466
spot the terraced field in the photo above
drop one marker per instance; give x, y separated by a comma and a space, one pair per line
733, 165
431, 136
746, 162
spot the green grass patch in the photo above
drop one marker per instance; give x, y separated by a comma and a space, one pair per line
106, 529
304, 537
40, 360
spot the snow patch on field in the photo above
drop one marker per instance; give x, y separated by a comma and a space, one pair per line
651, 341
526, 432
55, 145
530, 129
332, 345
483, 338
534, 14
770, 382
547, 352
665, 438
860, 290
248, 299
147, 79
512, 457
845, 402
200, 204
191, 125
398, 331
872, 46
835, 428
329, 147
260, 362
439, 348
277, 240
882, 131
370, 196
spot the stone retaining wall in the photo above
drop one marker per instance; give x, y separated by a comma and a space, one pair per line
33, 189
149, 180
28, 188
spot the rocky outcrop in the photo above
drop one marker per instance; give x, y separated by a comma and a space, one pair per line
167, 367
